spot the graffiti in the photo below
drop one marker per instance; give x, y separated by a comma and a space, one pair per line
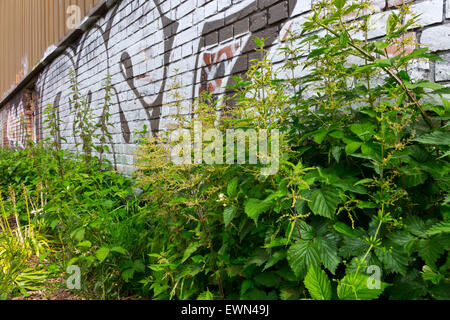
17, 128
139, 45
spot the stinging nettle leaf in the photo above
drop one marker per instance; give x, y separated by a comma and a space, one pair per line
302, 255
324, 202
254, 207
232, 187
318, 284
228, 214
102, 253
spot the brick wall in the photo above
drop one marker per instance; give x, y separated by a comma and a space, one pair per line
147, 45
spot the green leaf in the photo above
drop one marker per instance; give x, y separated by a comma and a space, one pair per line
355, 287
440, 227
363, 181
78, 234
228, 214
416, 226
318, 284
319, 135
102, 253
429, 274
119, 250
327, 247
391, 23
394, 260
352, 146
276, 257
85, 244
189, 251
436, 137
232, 187
364, 131
401, 238
381, 45
324, 202
339, 3
413, 177
128, 274
206, 295
302, 255
246, 284
267, 279
344, 229
254, 207
429, 250
424, 84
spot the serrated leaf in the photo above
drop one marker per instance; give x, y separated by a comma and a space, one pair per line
319, 135
339, 3
416, 226
275, 258
403, 239
102, 253
85, 244
352, 147
254, 207
327, 247
352, 247
429, 250
364, 131
344, 229
127, 274
438, 228
228, 214
425, 84
205, 296
436, 137
190, 250
302, 255
246, 284
232, 187
324, 202
394, 260
318, 284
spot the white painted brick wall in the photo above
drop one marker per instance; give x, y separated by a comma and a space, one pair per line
190, 44
431, 12
436, 38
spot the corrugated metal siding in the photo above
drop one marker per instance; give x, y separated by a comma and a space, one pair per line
27, 29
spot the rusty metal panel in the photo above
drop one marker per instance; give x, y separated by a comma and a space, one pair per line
27, 29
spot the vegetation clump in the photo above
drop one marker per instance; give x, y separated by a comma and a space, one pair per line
358, 208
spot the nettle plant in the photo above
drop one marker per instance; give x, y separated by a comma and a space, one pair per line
360, 204
91, 136
381, 153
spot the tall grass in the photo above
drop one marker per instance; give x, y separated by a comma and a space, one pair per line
21, 246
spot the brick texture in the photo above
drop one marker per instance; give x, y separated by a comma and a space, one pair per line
145, 46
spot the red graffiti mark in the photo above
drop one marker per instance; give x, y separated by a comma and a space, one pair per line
214, 85
222, 54
215, 65
287, 33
